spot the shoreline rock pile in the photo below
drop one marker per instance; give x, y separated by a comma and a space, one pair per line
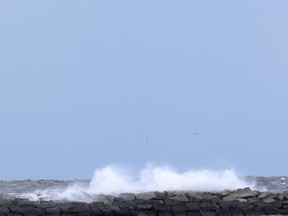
168, 203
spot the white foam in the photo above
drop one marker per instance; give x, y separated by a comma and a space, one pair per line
113, 180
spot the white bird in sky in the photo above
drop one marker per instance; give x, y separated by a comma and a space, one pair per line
144, 139
197, 133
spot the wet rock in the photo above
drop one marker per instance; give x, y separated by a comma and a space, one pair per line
52, 210
118, 200
33, 211
179, 213
244, 202
104, 198
197, 196
143, 204
161, 195
26, 210
193, 206
253, 212
283, 196
236, 212
127, 196
4, 196
75, 207
160, 206
4, 210
179, 207
269, 200
271, 211
193, 214
207, 213
253, 200
240, 193
121, 212
97, 206
265, 195
147, 195
165, 213
207, 205
180, 197
223, 212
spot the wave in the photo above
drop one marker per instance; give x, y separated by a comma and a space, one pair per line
115, 180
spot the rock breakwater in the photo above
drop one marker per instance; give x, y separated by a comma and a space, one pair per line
239, 202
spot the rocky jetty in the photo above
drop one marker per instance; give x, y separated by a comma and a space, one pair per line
239, 202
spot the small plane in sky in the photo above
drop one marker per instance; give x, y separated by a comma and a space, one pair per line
197, 133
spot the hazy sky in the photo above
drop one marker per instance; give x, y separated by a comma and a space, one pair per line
81, 82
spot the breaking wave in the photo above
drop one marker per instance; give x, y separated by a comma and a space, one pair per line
114, 180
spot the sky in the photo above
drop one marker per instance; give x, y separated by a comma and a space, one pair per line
82, 82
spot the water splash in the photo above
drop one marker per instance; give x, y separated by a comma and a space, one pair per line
113, 180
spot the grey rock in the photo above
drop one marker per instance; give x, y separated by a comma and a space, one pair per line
240, 193
253, 212
241, 200
147, 195
118, 200
159, 206
53, 210
161, 195
196, 196
165, 213
207, 213
4, 196
223, 212
96, 206
83, 214
192, 206
52, 214
193, 214
127, 196
179, 207
236, 212
4, 210
180, 197
283, 195
48, 204
68, 214
14, 214
33, 211
265, 195
179, 213
104, 198
271, 211
269, 200
207, 205
122, 212
75, 207
253, 200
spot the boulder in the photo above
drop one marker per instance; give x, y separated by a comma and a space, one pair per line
283, 195
265, 195
146, 195
240, 193
127, 196
180, 197
269, 200
104, 198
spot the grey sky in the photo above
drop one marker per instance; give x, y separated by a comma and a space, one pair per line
81, 82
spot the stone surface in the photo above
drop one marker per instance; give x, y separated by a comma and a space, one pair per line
240, 193
228, 203
127, 196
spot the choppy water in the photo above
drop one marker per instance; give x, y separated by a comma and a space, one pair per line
111, 180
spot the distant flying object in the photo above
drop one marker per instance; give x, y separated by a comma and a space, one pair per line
144, 139
197, 133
